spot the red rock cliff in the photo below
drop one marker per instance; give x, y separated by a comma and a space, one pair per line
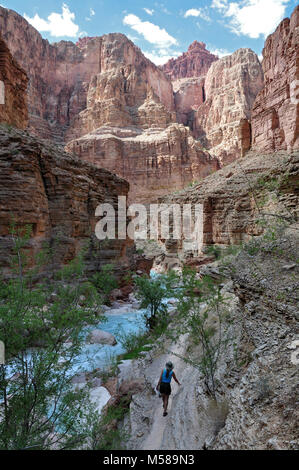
275, 115
193, 63
13, 90
57, 194
129, 125
222, 121
60, 73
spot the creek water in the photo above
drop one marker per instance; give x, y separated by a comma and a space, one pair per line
119, 322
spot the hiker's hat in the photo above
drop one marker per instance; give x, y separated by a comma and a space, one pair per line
169, 365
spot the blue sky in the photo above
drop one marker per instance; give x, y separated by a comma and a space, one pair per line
161, 30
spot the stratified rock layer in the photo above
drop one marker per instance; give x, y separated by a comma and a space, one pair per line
193, 63
13, 90
110, 104
57, 194
129, 126
62, 74
230, 198
231, 86
275, 115
154, 161
189, 94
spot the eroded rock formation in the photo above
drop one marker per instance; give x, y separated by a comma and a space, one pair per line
61, 74
129, 126
231, 86
231, 196
275, 115
57, 194
13, 90
189, 94
193, 63
110, 104
154, 161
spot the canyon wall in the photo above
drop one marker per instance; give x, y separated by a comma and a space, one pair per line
275, 114
13, 90
214, 97
231, 199
60, 73
187, 74
193, 63
154, 161
110, 105
129, 126
222, 122
57, 194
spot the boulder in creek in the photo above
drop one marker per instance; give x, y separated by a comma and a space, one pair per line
101, 337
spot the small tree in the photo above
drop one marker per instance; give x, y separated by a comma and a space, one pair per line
151, 292
40, 325
105, 281
204, 317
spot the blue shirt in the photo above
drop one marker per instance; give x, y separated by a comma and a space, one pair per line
167, 379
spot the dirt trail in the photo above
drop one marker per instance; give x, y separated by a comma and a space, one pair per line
155, 439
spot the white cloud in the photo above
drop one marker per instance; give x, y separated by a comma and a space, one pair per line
160, 58
57, 24
220, 52
91, 14
151, 32
252, 18
203, 13
148, 11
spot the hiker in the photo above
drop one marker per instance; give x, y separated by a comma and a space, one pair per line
164, 384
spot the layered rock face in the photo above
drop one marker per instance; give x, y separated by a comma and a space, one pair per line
60, 74
55, 91
214, 97
111, 106
57, 194
13, 90
229, 198
129, 126
127, 91
189, 94
187, 74
154, 161
193, 63
275, 115
231, 86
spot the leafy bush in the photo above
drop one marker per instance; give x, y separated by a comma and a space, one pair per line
105, 281
40, 408
151, 292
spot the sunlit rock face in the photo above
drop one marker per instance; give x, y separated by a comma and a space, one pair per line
275, 115
109, 104
62, 74
193, 63
214, 97
231, 86
187, 74
13, 90
154, 161
129, 126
